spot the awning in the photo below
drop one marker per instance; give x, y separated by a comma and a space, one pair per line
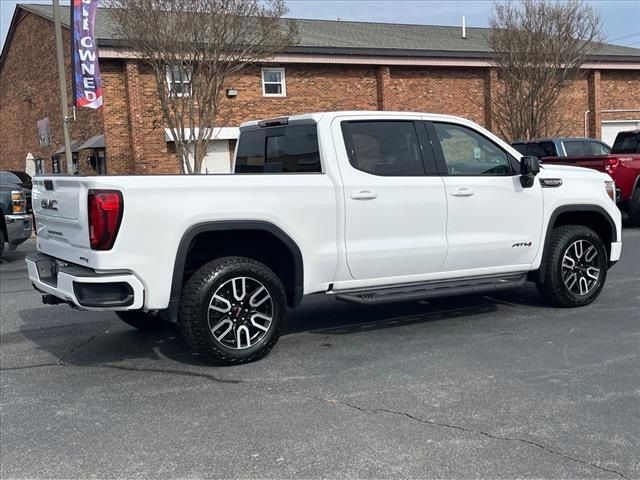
74, 148
95, 142
219, 133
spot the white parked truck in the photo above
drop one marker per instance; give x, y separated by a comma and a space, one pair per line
366, 206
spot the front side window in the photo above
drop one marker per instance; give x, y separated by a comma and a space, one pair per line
273, 82
179, 80
575, 148
384, 148
597, 148
292, 149
468, 153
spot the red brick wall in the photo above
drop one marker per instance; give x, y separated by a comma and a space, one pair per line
620, 90
454, 91
28, 92
134, 129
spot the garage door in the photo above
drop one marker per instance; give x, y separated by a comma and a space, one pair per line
611, 128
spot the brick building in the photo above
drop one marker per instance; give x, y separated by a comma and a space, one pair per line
335, 66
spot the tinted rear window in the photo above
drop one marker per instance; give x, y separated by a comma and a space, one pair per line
536, 149
628, 142
290, 149
575, 148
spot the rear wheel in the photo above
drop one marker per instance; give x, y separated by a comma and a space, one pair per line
575, 267
634, 208
232, 310
141, 320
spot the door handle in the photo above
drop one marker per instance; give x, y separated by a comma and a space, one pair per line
462, 192
364, 195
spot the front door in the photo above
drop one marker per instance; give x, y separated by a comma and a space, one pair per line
494, 224
395, 205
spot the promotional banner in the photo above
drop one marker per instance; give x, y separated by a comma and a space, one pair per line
87, 84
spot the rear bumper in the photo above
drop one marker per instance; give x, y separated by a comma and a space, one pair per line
18, 229
83, 287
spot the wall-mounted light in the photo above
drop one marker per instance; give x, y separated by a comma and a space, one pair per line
232, 92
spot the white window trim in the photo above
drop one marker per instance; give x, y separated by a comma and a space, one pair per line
171, 82
283, 82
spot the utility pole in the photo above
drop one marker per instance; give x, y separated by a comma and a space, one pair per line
63, 86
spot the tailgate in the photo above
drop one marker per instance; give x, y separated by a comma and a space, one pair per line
60, 207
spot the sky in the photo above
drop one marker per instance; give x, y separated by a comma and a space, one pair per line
621, 18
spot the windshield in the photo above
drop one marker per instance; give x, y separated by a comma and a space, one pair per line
8, 177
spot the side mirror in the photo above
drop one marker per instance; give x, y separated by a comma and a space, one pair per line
529, 168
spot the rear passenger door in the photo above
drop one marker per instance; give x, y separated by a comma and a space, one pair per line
395, 206
494, 224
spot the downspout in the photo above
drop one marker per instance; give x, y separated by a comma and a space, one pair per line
623, 110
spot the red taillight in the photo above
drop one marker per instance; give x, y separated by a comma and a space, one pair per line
611, 165
105, 214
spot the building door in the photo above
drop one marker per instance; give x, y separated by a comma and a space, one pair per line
217, 159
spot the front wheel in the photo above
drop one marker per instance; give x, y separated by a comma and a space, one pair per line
575, 267
232, 310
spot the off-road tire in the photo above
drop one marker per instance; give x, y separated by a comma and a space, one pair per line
551, 285
141, 320
634, 208
194, 309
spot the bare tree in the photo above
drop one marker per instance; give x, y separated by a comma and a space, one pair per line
192, 47
540, 47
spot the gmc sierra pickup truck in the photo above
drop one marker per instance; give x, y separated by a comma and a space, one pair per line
366, 206
622, 164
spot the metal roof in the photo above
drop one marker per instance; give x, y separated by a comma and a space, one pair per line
95, 142
75, 144
365, 38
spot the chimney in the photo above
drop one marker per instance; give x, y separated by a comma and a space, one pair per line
464, 27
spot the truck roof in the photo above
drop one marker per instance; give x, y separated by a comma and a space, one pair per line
315, 117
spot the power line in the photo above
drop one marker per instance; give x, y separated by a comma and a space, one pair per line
623, 37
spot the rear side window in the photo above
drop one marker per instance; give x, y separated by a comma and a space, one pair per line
628, 142
575, 148
520, 147
384, 148
541, 149
290, 149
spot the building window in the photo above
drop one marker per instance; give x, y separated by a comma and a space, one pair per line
273, 82
55, 164
39, 166
179, 80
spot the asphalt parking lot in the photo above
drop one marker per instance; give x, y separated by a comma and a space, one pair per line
489, 387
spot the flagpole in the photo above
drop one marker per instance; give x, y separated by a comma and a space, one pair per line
63, 86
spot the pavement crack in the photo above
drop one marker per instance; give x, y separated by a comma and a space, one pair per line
475, 432
126, 368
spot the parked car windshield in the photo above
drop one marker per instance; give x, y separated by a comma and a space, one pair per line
627, 142
8, 177
23, 176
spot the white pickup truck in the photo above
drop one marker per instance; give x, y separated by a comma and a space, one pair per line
366, 206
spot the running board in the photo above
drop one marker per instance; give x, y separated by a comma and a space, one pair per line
434, 289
